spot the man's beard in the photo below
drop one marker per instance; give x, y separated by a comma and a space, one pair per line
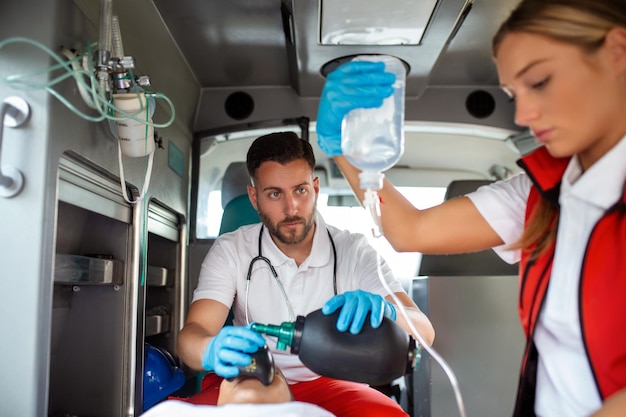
292, 238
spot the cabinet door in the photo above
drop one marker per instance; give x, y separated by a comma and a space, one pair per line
93, 287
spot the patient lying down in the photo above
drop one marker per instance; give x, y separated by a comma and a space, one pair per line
244, 396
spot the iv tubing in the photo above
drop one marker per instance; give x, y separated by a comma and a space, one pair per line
146, 180
444, 365
19, 80
73, 61
102, 105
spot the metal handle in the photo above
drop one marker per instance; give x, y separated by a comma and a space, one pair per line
14, 113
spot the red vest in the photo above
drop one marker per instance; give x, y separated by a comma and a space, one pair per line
601, 292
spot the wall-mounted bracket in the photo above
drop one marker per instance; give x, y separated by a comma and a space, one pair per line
13, 113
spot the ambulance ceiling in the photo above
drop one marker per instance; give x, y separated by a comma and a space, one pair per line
248, 43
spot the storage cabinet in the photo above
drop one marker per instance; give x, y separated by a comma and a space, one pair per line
118, 283
92, 287
163, 279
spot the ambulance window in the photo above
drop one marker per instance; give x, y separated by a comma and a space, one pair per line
403, 265
354, 218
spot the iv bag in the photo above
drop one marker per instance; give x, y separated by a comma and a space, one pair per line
372, 139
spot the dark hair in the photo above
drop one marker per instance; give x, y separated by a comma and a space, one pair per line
281, 147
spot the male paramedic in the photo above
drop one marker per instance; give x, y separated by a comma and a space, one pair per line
290, 264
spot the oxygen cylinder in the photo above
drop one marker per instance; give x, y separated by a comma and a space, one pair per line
374, 356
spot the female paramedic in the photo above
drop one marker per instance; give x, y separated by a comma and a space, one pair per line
564, 218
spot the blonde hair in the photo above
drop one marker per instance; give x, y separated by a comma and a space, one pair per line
584, 23
580, 22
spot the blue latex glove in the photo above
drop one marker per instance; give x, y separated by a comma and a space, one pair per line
353, 85
231, 348
354, 308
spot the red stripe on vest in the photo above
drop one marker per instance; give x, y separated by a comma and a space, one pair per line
603, 302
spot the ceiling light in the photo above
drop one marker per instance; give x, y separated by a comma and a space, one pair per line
374, 22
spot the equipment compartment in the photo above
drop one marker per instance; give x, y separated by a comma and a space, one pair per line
76, 269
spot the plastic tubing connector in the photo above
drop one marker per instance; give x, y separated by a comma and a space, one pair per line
284, 333
371, 202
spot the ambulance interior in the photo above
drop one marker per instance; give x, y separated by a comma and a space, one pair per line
220, 74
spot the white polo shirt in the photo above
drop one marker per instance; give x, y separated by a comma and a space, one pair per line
565, 385
308, 286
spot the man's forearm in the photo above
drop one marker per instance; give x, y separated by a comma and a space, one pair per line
419, 320
192, 342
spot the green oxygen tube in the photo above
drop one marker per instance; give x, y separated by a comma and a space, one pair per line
374, 356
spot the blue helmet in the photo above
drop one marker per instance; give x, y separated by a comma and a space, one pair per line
161, 376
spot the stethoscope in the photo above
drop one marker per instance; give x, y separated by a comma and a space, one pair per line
260, 257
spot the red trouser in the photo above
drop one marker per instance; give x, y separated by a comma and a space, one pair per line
342, 398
